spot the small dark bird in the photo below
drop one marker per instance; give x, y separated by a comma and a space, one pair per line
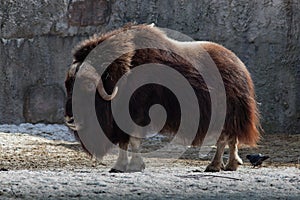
256, 159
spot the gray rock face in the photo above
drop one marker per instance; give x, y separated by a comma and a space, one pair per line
44, 103
36, 38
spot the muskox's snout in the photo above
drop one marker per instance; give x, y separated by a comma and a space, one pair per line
69, 121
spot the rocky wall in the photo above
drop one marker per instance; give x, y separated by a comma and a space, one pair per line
36, 38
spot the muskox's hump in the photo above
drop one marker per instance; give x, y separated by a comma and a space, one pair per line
81, 51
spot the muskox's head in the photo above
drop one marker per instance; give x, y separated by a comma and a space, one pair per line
88, 78
100, 77
103, 84
89, 82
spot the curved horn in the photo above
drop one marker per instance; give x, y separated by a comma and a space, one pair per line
87, 70
103, 93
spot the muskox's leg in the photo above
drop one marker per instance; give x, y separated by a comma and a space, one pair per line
136, 163
217, 162
234, 160
122, 161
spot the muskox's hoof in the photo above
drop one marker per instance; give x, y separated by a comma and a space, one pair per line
136, 165
222, 166
112, 170
233, 165
213, 168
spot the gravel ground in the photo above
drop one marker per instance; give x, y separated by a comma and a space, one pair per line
153, 183
45, 162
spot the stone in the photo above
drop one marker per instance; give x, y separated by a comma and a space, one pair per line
37, 36
44, 104
88, 13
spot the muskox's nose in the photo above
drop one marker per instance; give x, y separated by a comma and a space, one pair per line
69, 121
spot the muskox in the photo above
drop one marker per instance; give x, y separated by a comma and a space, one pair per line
242, 119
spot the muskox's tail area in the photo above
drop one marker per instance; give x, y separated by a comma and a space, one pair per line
242, 117
246, 123
252, 134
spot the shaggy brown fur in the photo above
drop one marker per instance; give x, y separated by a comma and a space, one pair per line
242, 120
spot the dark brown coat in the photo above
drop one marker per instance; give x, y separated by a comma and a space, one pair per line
241, 121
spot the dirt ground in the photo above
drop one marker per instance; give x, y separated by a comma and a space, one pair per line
36, 167
21, 151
